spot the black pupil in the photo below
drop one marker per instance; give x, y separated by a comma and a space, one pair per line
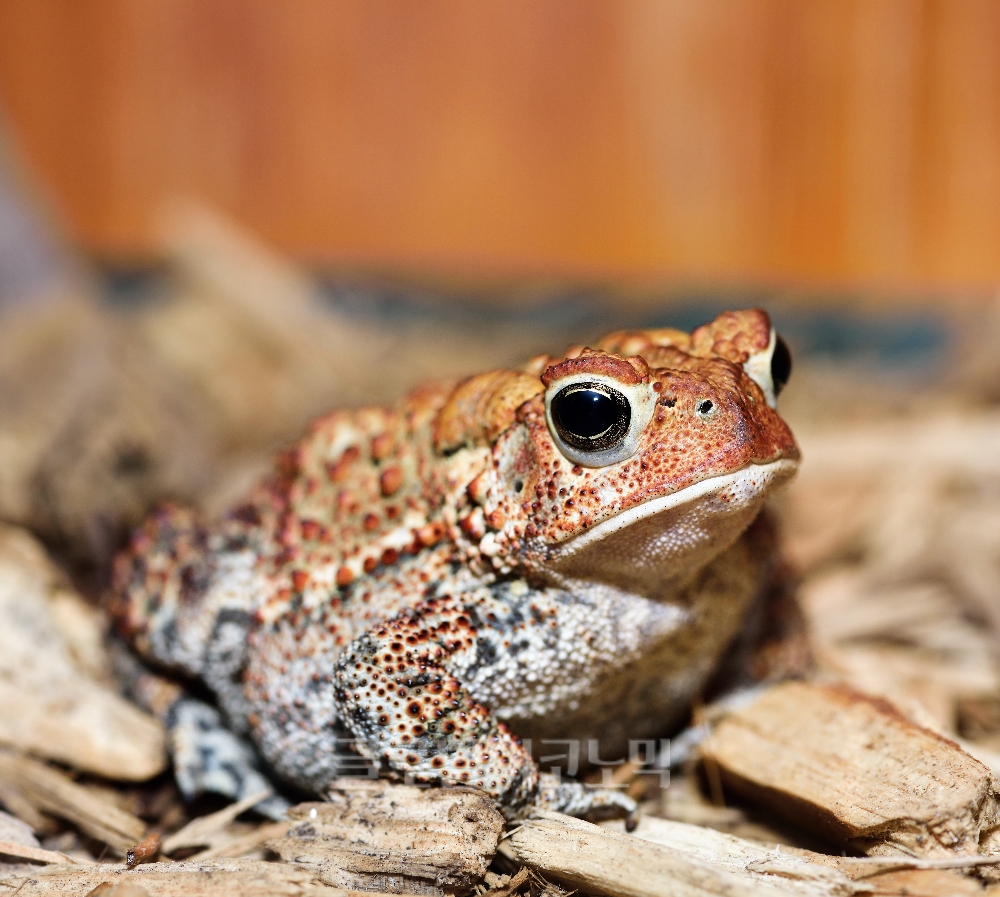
591, 416
781, 365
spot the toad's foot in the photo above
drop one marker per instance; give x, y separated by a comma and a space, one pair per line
408, 712
585, 801
208, 757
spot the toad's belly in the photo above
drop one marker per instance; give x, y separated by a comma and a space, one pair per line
637, 704
650, 696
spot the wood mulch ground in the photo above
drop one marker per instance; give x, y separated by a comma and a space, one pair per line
876, 776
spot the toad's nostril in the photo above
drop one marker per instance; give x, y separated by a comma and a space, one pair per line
704, 406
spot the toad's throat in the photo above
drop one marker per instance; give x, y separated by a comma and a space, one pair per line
657, 546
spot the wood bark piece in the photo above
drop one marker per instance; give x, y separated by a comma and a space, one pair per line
35, 854
16, 831
927, 883
19, 848
503, 885
119, 889
20, 807
853, 769
802, 872
83, 725
205, 830
242, 845
213, 878
51, 706
382, 836
583, 856
811, 873
55, 793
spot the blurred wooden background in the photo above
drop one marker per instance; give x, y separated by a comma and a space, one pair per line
775, 140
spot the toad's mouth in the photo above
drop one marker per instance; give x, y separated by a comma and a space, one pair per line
656, 546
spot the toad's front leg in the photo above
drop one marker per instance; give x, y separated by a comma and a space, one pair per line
397, 694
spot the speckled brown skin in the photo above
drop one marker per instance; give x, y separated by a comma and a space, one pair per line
419, 579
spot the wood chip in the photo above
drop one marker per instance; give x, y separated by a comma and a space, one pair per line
503, 885
242, 845
83, 725
205, 830
213, 878
853, 769
51, 706
382, 836
119, 889
16, 831
927, 883
586, 857
23, 809
804, 872
812, 874
55, 793
35, 854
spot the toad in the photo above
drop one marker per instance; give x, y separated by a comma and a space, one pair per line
565, 550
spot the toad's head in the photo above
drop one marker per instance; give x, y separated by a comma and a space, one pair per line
636, 462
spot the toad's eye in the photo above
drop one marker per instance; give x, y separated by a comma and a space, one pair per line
591, 417
781, 364
596, 419
770, 368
